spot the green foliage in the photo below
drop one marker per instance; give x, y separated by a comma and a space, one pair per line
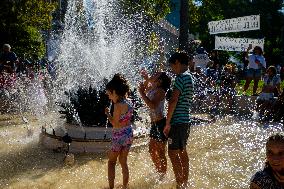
151, 12
21, 23
87, 105
241, 84
35, 13
153, 43
29, 42
154, 10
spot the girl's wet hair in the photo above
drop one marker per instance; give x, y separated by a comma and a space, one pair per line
165, 81
118, 84
278, 137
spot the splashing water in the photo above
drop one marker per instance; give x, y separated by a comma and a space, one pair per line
223, 155
98, 41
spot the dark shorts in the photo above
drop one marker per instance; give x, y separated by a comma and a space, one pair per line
178, 136
253, 73
157, 129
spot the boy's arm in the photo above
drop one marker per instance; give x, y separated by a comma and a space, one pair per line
171, 107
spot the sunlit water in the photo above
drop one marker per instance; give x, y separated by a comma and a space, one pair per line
224, 154
97, 42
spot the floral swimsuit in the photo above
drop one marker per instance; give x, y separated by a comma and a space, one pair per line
122, 138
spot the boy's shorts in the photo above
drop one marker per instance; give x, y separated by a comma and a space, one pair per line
178, 136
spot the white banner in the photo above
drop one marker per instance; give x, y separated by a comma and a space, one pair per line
245, 23
236, 44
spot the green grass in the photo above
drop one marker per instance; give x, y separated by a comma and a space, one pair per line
240, 87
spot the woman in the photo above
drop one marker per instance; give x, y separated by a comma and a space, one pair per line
256, 64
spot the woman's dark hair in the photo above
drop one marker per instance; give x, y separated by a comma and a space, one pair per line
182, 57
257, 48
273, 69
118, 84
165, 81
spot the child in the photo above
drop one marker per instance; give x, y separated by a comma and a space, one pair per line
178, 117
122, 134
265, 100
272, 176
155, 100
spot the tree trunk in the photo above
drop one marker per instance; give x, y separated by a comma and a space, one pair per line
282, 45
184, 26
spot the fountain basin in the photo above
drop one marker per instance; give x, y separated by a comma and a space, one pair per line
85, 139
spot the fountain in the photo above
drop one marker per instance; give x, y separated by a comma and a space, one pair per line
222, 155
97, 42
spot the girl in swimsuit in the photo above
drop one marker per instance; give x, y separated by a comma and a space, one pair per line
153, 92
122, 134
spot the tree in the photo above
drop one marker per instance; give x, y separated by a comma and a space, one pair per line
152, 10
184, 26
21, 23
150, 13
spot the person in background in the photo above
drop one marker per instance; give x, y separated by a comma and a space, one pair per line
272, 176
178, 117
228, 84
122, 133
271, 84
200, 88
201, 59
255, 66
154, 97
8, 60
214, 57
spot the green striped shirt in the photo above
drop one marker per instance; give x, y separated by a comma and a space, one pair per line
183, 83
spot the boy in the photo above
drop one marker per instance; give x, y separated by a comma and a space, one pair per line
178, 118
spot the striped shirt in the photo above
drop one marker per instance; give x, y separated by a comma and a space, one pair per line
183, 83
